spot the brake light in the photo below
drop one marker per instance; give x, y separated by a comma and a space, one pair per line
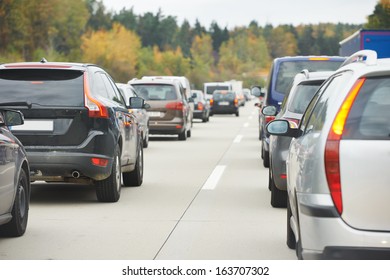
294, 122
200, 106
211, 102
175, 106
102, 162
96, 109
332, 147
235, 101
269, 118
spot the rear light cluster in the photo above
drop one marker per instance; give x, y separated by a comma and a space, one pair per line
294, 121
269, 118
95, 108
235, 102
175, 106
200, 106
211, 102
332, 147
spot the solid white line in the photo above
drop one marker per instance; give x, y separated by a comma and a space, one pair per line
213, 180
237, 139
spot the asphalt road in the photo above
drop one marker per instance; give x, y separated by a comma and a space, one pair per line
206, 198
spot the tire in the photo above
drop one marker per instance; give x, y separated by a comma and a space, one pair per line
109, 190
265, 155
291, 240
18, 224
278, 197
145, 141
183, 136
189, 133
135, 177
237, 113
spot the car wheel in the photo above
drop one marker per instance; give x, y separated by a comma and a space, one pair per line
265, 155
291, 240
109, 190
189, 133
183, 136
145, 141
237, 113
135, 177
278, 197
18, 224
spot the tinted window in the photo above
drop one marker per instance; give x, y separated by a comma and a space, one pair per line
42, 87
301, 97
370, 115
288, 69
219, 96
156, 92
315, 116
211, 89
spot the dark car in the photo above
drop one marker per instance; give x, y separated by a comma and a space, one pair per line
77, 126
14, 177
283, 70
304, 88
169, 111
127, 92
201, 106
225, 102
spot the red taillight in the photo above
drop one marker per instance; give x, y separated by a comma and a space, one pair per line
175, 106
269, 118
332, 147
294, 121
211, 102
102, 162
96, 109
235, 101
200, 106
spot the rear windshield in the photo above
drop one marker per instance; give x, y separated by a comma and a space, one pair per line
223, 95
370, 114
302, 96
211, 89
42, 87
288, 69
156, 92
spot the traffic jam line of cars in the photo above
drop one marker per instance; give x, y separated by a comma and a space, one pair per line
71, 123
329, 155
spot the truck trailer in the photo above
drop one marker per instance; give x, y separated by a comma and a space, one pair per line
363, 39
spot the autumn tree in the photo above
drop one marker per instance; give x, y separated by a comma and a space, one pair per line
380, 19
202, 60
116, 50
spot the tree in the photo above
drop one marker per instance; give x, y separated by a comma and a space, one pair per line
126, 18
282, 43
380, 19
116, 50
99, 18
202, 60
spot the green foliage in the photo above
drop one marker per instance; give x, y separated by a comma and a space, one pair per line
380, 19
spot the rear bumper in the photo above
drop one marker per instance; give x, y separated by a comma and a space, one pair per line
60, 166
166, 127
224, 110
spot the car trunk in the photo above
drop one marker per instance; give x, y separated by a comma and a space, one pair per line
365, 183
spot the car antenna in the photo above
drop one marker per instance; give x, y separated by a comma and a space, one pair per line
43, 60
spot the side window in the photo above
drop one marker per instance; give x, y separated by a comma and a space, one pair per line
99, 86
112, 91
319, 112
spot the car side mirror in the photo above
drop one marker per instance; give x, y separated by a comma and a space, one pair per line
282, 128
269, 111
256, 91
136, 103
12, 118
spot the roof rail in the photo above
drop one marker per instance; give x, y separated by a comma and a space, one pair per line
306, 73
369, 57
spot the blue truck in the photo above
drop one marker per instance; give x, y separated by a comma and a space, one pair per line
364, 39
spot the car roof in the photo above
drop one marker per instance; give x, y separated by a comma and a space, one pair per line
159, 81
309, 57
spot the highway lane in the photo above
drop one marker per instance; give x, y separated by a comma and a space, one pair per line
202, 199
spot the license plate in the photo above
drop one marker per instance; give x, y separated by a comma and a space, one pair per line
154, 114
223, 103
41, 125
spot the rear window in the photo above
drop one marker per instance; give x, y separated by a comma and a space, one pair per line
223, 95
211, 89
370, 114
156, 92
288, 69
302, 96
42, 87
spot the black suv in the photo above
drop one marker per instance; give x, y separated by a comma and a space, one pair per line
77, 126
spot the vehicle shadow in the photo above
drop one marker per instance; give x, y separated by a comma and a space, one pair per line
54, 193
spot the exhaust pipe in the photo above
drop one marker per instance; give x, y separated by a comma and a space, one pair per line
76, 174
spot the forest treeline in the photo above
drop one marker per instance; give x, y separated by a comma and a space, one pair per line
128, 45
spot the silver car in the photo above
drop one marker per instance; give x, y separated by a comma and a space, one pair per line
14, 178
304, 86
127, 91
338, 178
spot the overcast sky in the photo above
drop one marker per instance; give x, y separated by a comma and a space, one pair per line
233, 13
